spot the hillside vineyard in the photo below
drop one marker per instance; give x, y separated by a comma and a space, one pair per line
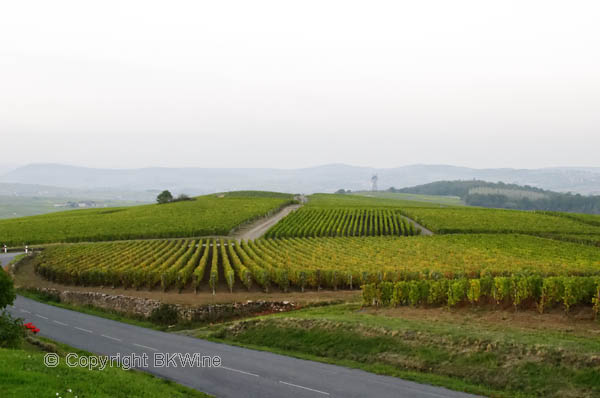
342, 222
327, 263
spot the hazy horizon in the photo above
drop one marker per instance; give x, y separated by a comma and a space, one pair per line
9, 167
267, 84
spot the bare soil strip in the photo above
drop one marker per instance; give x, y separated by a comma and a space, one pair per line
258, 228
424, 231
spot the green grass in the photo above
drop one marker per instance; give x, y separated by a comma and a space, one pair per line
206, 215
24, 375
425, 199
495, 360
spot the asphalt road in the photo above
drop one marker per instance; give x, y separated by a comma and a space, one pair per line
6, 258
243, 372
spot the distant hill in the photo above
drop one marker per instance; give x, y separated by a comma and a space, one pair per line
20, 200
47, 191
327, 178
508, 196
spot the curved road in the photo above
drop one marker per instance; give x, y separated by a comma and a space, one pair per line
6, 258
243, 372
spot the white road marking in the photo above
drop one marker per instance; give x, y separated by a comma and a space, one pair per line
304, 388
60, 323
25, 311
240, 371
112, 338
82, 329
145, 346
408, 388
43, 317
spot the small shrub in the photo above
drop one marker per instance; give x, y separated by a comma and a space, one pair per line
7, 290
11, 331
164, 315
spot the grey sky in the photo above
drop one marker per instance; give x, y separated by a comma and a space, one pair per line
293, 84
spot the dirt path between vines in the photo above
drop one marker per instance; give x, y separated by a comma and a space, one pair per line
258, 228
424, 231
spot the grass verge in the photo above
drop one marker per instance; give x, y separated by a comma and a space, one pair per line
496, 361
24, 375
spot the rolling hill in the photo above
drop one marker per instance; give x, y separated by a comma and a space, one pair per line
508, 196
326, 178
206, 215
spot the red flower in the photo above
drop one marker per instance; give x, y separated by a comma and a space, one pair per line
32, 327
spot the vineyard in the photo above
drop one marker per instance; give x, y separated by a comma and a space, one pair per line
516, 290
433, 264
316, 222
337, 242
206, 215
373, 201
477, 220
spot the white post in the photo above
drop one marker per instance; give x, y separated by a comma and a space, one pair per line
5, 249
26, 249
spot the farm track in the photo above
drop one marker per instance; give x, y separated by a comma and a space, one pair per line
258, 228
424, 231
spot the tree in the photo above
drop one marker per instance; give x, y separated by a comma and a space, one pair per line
11, 329
164, 197
182, 197
7, 290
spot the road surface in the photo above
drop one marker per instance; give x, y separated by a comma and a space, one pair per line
6, 258
243, 373
260, 227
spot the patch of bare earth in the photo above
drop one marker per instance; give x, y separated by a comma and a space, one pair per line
579, 320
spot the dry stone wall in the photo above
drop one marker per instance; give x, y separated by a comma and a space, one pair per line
143, 307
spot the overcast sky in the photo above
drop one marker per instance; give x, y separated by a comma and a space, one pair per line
294, 84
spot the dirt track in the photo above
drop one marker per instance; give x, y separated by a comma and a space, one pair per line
258, 228
424, 231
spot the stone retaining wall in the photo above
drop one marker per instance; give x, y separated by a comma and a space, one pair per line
143, 307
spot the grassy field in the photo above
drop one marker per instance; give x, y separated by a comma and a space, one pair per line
206, 215
493, 354
24, 375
